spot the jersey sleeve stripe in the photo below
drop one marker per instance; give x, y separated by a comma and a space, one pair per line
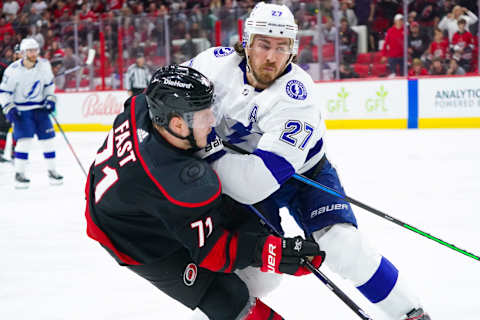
214, 157
155, 181
280, 168
48, 84
5, 91
222, 256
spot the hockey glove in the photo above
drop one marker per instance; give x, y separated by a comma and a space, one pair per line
213, 150
11, 112
50, 103
287, 255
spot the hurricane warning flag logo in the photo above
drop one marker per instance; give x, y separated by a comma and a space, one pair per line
296, 90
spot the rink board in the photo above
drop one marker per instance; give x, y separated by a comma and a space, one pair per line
452, 102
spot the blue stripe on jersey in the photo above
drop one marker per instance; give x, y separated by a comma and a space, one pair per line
381, 283
211, 136
30, 103
214, 157
280, 168
21, 155
5, 91
315, 150
49, 155
48, 84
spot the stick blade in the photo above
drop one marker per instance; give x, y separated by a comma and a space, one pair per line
90, 56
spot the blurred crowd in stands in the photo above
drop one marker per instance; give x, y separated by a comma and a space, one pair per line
442, 34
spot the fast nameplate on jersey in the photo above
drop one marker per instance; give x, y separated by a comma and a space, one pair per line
124, 144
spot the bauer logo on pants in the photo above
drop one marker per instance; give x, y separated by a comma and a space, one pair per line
190, 274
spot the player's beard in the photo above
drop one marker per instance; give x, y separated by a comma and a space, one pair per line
263, 77
32, 60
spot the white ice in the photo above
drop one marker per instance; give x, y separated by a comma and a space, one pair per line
50, 269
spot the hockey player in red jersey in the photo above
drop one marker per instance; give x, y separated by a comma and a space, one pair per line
159, 211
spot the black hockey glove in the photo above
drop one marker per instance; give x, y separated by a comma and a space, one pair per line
287, 255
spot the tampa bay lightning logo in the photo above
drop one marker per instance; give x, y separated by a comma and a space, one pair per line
223, 51
33, 91
296, 90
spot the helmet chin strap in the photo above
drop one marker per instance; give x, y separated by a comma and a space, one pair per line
190, 137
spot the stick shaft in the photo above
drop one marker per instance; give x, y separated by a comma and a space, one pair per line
68, 143
368, 208
330, 285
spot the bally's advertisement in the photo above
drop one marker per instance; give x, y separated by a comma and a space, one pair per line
89, 111
452, 102
364, 104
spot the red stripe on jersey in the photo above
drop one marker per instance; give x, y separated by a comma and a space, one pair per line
3, 143
217, 257
94, 232
260, 311
159, 186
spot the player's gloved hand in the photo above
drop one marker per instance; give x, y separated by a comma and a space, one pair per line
50, 103
11, 112
213, 150
287, 255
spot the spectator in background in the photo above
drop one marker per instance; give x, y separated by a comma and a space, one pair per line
417, 42
58, 70
463, 45
437, 68
439, 47
347, 13
11, 7
188, 48
454, 69
329, 30
306, 54
348, 42
39, 5
417, 69
428, 14
347, 72
393, 47
70, 61
362, 11
449, 23
382, 12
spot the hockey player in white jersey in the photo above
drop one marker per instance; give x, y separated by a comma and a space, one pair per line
27, 98
271, 108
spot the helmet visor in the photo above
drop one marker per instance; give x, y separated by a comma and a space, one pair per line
202, 119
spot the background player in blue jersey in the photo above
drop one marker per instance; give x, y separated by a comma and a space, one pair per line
272, 109
27, 98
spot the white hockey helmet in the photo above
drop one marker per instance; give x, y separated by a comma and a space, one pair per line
271, 20
28, 43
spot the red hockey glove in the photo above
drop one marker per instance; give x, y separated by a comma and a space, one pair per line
287, 255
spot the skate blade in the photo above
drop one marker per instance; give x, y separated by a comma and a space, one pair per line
55, 182
21, 185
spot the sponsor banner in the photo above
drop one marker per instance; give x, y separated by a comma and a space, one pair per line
364, 100
457, 97
93, 109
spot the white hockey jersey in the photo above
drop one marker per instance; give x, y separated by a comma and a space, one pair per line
282, 125
27, 88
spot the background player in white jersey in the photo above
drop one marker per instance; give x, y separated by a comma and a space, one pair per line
27, 98
271, 108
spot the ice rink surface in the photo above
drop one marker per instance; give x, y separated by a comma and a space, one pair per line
50, 269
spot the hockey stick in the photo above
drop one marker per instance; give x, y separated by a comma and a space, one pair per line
68, 143
89, 61
330, 285
379, 213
